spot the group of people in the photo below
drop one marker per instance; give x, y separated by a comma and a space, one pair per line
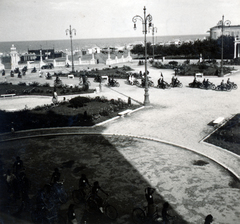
111, 80
83, 184
18, 184
151, 208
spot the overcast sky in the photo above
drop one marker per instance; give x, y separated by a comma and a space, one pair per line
48, 19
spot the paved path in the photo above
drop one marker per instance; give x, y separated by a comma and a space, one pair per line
178, 116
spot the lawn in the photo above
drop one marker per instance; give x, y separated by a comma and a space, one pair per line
228, 136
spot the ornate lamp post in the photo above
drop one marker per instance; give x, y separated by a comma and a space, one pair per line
71, 31
223, 23
146, 23
154, 29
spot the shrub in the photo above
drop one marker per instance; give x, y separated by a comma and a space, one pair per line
79, 101
46, 84
174, 63
104, 112
10, 91
22, 84
34, 84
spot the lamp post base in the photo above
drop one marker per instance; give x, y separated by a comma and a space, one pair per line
146, 98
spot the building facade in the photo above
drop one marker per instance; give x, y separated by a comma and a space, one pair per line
216, 31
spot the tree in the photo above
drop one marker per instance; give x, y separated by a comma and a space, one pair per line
138, 49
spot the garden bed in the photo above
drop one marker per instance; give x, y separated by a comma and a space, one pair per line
79, 111
228, 136
36, 88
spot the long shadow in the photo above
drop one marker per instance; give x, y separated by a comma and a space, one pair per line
93, 155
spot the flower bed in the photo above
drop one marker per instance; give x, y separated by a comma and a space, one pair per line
79, 111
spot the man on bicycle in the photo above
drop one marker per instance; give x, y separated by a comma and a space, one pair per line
83, 183
149, 196
55, 176
18, 166
96, 197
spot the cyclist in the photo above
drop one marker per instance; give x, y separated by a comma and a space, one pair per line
165, 215
18, 166
55, 176
83, 183
72, 215
149, 196
96, 197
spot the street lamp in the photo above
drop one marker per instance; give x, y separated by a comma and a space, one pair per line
70, 31
146, 23
223, 23
154, 29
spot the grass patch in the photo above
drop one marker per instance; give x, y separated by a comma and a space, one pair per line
228, 136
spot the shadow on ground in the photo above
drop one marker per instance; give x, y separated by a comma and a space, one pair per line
94, 155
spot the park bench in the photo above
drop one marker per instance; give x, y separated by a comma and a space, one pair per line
104, 77
125, 112
70, 76
8, 95
218, 121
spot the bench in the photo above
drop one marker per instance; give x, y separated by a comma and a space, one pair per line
104, 77
70, 76
7, 95
219, 120
125, 112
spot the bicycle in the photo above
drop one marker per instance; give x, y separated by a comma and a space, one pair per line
109, 210
59, 192
79, 195
140, 215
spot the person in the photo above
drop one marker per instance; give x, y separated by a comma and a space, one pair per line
165, 215
229, 82
55, 176
194, 80
95, 189
71, 214
149, 197
159, 82
3, 72
208, 219
222, 83
18, 166
174, 80
83, 183
24, 184
10, 180
207, 83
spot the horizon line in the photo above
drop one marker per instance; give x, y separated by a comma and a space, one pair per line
105, 38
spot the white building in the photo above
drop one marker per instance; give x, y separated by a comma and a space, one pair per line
216, 31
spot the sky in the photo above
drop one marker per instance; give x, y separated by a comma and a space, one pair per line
24, 20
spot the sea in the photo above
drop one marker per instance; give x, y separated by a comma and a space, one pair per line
78, 44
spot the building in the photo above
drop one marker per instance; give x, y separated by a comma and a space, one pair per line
234, 31
216, 31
